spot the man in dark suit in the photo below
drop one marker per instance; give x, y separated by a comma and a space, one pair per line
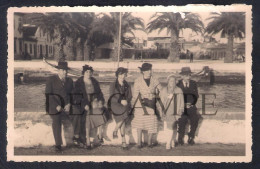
58, 89
190, 92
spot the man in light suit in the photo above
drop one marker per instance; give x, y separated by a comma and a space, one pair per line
58, 89
190, 92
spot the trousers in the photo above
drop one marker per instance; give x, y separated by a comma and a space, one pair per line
57, 121
191, 115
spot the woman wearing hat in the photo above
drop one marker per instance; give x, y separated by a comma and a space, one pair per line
145, 112
120, 103
173, 101
91, 100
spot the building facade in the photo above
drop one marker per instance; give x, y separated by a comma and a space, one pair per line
30, 42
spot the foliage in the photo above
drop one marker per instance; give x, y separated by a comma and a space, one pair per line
174, 23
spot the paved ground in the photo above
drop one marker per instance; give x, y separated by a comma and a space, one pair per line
186, 150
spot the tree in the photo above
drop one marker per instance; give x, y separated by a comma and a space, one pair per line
109, 26
60, 27
230, 25
174, 23
85, 21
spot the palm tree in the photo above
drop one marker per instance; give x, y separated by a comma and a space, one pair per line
231, 25
109, 25
81, 38
174, 23
60, 27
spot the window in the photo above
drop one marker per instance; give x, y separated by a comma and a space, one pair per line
30, 48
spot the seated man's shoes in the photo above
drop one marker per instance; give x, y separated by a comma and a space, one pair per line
58, 149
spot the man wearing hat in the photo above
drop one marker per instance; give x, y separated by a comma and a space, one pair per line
58, 89
190, 92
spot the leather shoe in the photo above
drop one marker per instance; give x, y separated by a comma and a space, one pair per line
58, 149
191, 141
180, 142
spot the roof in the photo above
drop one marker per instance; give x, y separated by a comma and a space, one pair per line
29, 31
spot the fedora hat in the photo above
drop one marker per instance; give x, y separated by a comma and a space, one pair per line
62, 65
146, 66
185, 71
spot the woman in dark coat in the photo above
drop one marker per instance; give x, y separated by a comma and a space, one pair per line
91, 100
120, 102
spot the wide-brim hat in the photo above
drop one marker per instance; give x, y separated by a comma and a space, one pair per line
146, 66
62, 65
185, 71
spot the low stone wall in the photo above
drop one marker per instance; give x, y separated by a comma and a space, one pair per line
34, 129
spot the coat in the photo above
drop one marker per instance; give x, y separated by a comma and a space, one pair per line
191, 92
57, 93
148, 93
82, 97
190, 95
119, 111
169, 101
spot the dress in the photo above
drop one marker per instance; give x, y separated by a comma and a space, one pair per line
145, 120
84, 95
172, 102
95, 116
118, 93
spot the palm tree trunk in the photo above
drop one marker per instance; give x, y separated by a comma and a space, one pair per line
174, 55
114, 53
229, 55
60, 48
80, 51
69, 48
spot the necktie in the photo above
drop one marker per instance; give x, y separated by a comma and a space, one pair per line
186, 84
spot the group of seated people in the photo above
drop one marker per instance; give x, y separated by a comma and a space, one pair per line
141, 107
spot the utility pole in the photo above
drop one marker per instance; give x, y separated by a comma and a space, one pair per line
119, 39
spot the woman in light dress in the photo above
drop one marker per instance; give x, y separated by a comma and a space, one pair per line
173, 101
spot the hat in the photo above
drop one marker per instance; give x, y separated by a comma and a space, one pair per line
185, 71
62, 65
145, 67
121, 70
85, 68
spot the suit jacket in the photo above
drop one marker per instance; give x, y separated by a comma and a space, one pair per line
57, 93
83, 99
190, 93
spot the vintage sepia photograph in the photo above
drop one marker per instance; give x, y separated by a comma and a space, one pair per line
130, 84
